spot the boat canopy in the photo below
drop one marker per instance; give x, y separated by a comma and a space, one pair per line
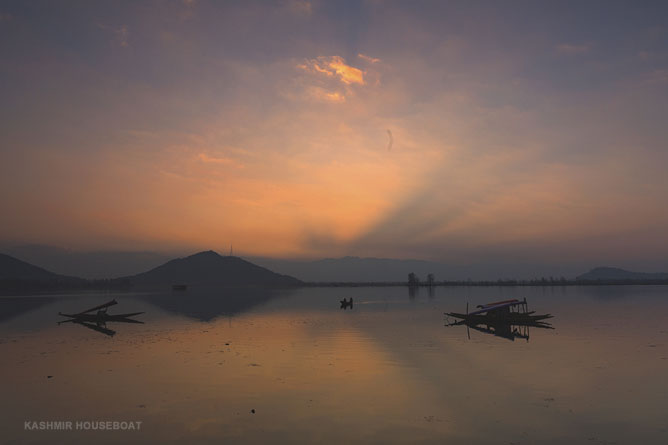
494, 306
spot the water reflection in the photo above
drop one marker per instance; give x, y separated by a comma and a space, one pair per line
386, 372
209, 303
13, 307
414, 291
509, 331
100, 326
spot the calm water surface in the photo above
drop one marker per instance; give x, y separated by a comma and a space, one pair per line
387, 371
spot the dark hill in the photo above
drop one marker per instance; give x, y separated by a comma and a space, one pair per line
14, 269
615, 274
19, 276
209, 268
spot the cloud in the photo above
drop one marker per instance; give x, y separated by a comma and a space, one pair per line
657, 76
300, 7
347, 73
328, 79
323, 95
644, 55
188, 9
566, 48
120, 34
368, 58
334, 66
219, 160
389, 144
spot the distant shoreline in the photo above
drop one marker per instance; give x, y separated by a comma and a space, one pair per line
36, 288
493, 283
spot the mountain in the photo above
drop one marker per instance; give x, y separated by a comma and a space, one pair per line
615, 274
19, 276
209, 268
14, 269
89, 264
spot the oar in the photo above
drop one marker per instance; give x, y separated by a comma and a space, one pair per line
468, 332
102, 306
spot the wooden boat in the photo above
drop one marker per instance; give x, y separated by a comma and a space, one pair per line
101, 316
509, 319
507, 311
97, 321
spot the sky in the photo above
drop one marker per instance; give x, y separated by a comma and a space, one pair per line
458, 132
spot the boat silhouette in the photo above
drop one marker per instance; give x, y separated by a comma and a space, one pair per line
97, 321
508, 319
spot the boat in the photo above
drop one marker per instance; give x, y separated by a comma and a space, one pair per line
508, 311
509, 319
101, 316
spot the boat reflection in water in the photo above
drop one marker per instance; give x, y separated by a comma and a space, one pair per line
508, 319
98, 321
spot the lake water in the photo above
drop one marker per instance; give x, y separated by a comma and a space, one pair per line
216, 366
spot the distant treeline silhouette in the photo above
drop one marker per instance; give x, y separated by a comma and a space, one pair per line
414, 281
533, 282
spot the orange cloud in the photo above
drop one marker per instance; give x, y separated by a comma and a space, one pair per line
219, 160
323, 95
347, 73
334, 66
368, 58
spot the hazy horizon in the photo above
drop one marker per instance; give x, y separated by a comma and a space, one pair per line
114, 264
520, 136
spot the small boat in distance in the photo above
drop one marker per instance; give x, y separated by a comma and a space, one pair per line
179, 287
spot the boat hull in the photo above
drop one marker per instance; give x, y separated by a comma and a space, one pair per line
100, 317
502, 317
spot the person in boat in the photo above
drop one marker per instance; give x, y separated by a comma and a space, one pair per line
102, 313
